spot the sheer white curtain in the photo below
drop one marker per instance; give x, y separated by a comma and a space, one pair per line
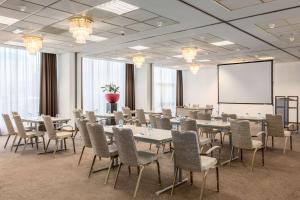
164, 88
19, 82
97, 73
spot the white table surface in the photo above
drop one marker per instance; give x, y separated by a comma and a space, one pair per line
206, 123
39, 119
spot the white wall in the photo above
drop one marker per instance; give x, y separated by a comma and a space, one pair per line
202, 88
66, 83
143, 87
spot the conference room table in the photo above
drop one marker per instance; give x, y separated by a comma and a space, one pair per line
38, 120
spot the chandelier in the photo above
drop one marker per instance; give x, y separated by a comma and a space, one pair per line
189, 53
33, 43
138, 60
81, 27
194, 68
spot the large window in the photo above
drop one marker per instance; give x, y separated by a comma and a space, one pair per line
164, 88
19, 82
97, 73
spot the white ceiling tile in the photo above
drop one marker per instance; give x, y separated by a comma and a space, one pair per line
140, 15
28, 25
40, 20
70, 6
140, 27
18, 5
53, 13
12, 13
120, 21
62, 24
53, 30
99, 14
91, 2
160, 21
101, 26
106, 34
121, 30
42, 2
294, 20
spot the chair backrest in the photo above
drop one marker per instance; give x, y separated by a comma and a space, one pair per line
241, 136
163, 123
14, 113
81, 124
193, 114
77, 113
209, 106
49, 126
8, 124
204, 116
188, 125
98, 139
118, 116
127, 111
140, 114
91, 117
126, 146
275, 125
152, 119
226, 117
20, 126
187, 150
167, 112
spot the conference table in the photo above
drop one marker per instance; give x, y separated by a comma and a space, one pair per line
38, 120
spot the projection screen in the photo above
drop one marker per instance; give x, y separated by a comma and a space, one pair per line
246, 83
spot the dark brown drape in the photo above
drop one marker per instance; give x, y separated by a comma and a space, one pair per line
179, 89
129, 87
48, 85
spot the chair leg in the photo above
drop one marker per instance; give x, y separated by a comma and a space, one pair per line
150, 146
6, 141
218, 179
291, 143
263, 156
253, 159
174, 181
13, 143
18, 145
44, 145
138, 181
25, 140
65, 144
55, 148
231, 155
191, 177
109, 168
272, 142
73, 141
47, 145
37, 143
31, 141
157, 151
203, 184
285, 143
241, 154
92, 166
81, 155
158, 172
129, 170
118, 172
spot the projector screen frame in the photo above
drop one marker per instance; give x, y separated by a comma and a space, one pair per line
272, 85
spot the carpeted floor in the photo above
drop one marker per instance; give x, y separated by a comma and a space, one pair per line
28, 176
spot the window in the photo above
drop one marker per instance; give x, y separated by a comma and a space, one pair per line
19, 82
164, 88
97, 73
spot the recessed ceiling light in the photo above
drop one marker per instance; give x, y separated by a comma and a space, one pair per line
7, 20
266, 58
21, 44
117, 6
204, 60
17, 31
159, 24
96, 38
139, 47
22, 8
119, 58
222, 43
178, 56
292, 38
272, 25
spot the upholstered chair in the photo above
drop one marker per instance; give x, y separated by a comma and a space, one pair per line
140, 116
188, 157
91, 117
275, 128
225, 118
192, 114
130, 156
100, 146
127, 112
242, 140
210, 132
166, 112
57, 135
81, 124
152, 120
10, 130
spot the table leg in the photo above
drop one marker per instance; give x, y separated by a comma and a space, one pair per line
233, 154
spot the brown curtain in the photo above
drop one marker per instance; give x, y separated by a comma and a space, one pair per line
129, 87
48, 85
179, 89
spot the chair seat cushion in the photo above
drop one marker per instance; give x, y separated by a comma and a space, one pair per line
207, 162
287, 133
62, 135
256, 144
146, 157
204, 140
68, 129
113, 149
32, 134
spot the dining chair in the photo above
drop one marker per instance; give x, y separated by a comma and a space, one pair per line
10, 130
225, 118
188, 157
192, 114
242, 140
57, 135
152, 120
91, 117
100, 147
131, 157
166, 112
275, 128
165, 124
210, 132
27, 135
77, 113
140, 115
127, 112
81, 124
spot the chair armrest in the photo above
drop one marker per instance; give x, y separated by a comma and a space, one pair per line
64, 126
291, 127
260, 133
211, 150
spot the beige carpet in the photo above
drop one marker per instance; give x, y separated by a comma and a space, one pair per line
29, 176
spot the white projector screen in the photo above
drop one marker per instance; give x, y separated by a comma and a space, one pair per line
246, 83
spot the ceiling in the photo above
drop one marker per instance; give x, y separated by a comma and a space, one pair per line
259, 29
